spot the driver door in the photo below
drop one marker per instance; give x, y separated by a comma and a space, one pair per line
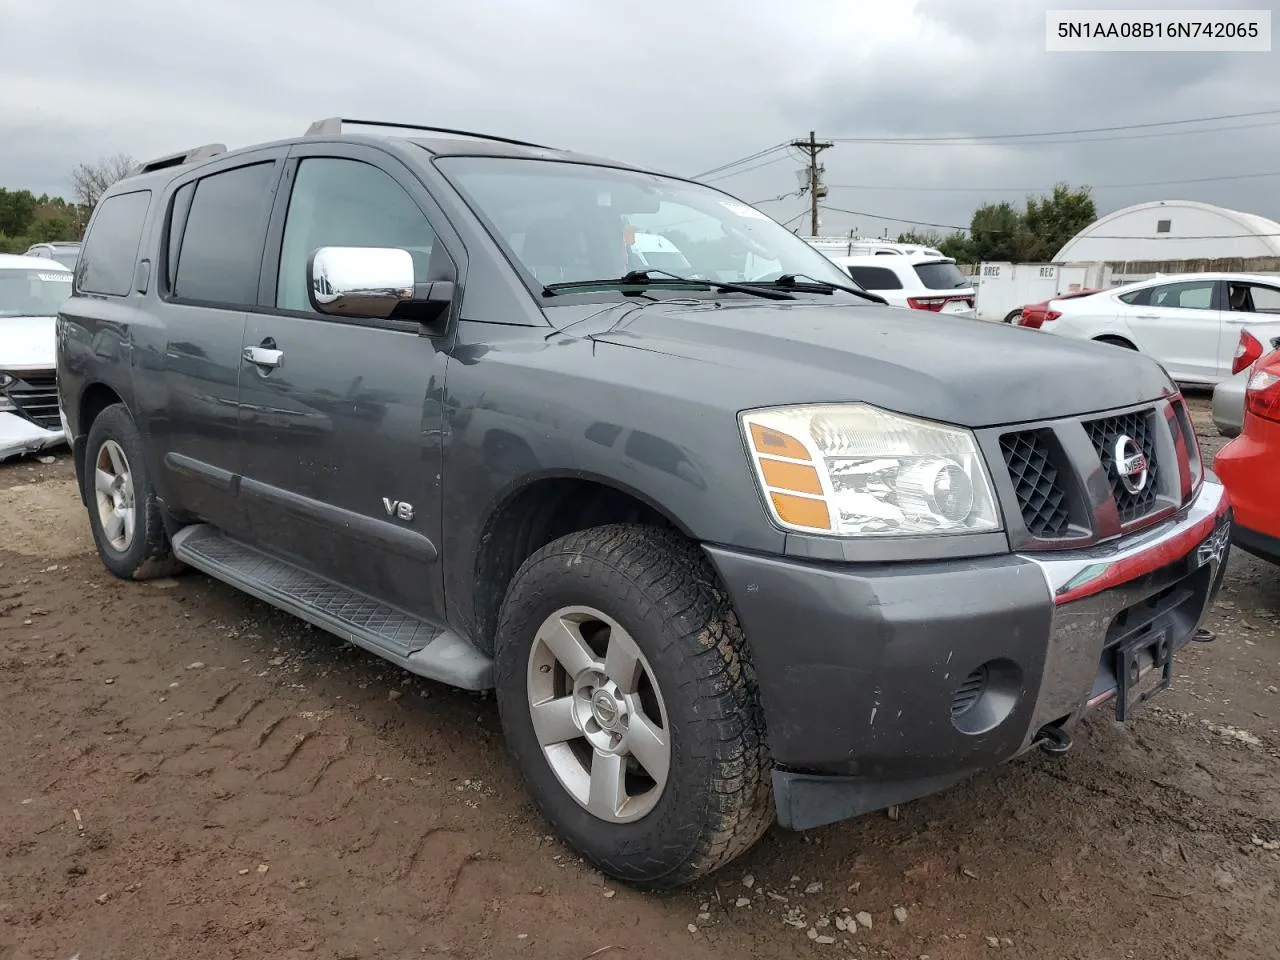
340, 417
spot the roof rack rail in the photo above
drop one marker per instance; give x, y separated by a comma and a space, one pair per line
202, 152
332, 126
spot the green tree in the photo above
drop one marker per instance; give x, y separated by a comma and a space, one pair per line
994, 232
1053, 220
925, 238
17, 210
957, 247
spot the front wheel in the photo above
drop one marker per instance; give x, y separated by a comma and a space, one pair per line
630, 704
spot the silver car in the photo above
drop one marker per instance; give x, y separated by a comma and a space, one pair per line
1228, 395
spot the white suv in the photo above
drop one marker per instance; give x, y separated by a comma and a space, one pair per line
918, 281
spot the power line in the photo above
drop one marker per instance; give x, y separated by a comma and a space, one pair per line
1059, 133
898, 142
733, 173
781, 196
741, 160
972, 139
1100, 186
787, 223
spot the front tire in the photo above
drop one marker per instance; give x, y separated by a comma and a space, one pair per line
630, 703
123, 510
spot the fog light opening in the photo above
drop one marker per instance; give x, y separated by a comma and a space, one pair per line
986, 697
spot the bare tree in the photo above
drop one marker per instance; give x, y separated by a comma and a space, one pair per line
89, 181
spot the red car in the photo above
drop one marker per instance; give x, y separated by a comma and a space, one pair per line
1035, 314
1249, 466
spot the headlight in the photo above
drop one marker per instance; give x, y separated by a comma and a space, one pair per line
853, 470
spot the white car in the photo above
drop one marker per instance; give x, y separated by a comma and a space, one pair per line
65, 252
1190, 323
31, 291
918, 281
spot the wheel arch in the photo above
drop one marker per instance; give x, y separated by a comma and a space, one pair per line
542, 508
94, 398
1115, 339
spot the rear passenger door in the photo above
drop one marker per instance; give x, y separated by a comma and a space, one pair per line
1179, 324
209, 267
342, 439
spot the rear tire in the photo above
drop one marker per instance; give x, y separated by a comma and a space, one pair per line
642, 611
123, 511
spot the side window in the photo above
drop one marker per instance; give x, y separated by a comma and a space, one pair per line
178, 212
111, 248
220, 252
1191, 295
1265, 299
875, 278
1137, 298
346, 203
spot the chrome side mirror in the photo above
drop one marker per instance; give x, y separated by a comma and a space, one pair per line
360, 281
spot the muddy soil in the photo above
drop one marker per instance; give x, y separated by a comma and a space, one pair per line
187, 773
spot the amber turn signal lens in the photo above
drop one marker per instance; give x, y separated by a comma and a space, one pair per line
772, 443
801, 511
796, 477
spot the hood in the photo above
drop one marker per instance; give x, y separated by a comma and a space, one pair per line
28, 343
968, 372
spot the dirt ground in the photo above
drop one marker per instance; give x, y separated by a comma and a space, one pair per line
187, 773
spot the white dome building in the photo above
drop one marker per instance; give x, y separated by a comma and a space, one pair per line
1173, 230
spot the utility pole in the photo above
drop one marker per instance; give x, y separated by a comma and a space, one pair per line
812, 147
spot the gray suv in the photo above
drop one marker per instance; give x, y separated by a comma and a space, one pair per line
731, 545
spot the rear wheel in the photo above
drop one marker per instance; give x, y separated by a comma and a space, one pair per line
1013, 315
630, 704
123, 512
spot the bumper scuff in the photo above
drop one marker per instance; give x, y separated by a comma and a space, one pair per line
861, 666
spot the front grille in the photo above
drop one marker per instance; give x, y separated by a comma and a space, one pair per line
1041, 496
1103, 434
36, 398
967, 694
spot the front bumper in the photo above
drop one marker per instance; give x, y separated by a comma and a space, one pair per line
19, 435
884, 683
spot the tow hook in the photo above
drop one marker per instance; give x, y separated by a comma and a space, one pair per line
1053, 740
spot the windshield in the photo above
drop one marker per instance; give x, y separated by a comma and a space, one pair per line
33, 293
566, 222
942, 275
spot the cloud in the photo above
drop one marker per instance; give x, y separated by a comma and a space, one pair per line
683, 86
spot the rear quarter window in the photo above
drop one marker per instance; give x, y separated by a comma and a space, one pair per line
940, 276
875, 278
111, 248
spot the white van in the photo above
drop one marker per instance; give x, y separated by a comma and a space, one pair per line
918, 281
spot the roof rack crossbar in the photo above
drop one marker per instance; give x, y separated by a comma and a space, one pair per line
202, 152
331, 126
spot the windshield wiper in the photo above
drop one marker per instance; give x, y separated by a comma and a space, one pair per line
647, 277
792, 280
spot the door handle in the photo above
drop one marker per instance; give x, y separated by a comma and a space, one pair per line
1147, 316
264, 356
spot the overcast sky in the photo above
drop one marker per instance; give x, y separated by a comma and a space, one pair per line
684, 86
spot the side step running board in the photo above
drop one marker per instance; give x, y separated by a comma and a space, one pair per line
405, 640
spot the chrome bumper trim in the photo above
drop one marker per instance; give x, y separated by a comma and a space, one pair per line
1091, 587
